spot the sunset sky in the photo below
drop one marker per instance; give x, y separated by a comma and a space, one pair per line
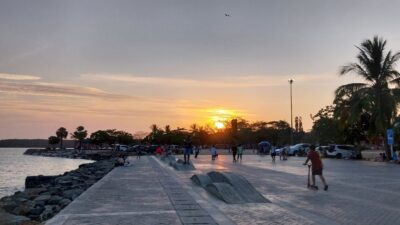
129, 64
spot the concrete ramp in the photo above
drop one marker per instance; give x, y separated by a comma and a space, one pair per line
230, 187
176, 163
217, 177
244, 188
201, 179
225, 192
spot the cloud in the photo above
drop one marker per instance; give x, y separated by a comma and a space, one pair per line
8, 76
55, 89
217, 82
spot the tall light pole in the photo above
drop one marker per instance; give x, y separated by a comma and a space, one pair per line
291, 113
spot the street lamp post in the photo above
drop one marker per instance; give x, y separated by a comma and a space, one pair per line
291, 113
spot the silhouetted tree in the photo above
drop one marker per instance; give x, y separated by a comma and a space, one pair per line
374, 97
61, 134
80, 134
53, 140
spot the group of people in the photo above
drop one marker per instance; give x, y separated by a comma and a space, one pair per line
383, 157
237, 153
122, 160
283, 153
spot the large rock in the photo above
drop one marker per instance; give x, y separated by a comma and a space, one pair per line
24, 208
54, 200
36, 211
64, 202
42, 199
8, 203
47, 213
34, 192
72, 194
10, 219
38, 181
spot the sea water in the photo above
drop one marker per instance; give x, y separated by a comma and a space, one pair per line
15, 167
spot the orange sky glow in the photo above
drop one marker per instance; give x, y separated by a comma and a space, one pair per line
129, 64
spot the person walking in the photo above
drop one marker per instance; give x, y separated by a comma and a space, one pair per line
273, 153
234, 152
188, 151
213, 152
316, 167
240, 152
139, 152
196, 151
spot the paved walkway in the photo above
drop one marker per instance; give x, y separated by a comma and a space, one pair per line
150, 192
144, 193
360, 192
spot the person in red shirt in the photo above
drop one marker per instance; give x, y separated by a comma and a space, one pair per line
316, 168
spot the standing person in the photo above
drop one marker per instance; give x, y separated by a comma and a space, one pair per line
188, 151
139, 152
316, 167
159, 150
234, 152
240, 152
273, 153
213, 152
285, 152
196, 151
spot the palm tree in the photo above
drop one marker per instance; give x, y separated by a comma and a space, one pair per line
80, 134
167, 129
374, 97
53, 140
61, 134
193, 128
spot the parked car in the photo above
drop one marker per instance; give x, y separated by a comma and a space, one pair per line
299, 149
341, 151
322, 150
121, 148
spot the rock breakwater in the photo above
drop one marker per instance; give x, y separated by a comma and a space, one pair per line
71, 153
44, 196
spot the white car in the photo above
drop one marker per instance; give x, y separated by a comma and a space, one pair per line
298, 149
341, 151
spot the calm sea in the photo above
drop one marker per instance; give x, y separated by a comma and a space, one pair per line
15, 166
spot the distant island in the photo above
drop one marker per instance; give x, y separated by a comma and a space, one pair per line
31, 143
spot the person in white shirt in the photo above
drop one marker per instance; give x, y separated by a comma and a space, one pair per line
213, 152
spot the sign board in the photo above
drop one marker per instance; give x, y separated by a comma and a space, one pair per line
390, 136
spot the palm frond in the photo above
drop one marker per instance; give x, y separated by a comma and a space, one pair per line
349, 89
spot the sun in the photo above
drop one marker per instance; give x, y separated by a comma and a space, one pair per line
218, 117
219, 125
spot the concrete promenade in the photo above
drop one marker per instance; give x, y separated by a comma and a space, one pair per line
145, 193
149, 192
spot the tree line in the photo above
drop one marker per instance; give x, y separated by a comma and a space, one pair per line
100, 138
244, 132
